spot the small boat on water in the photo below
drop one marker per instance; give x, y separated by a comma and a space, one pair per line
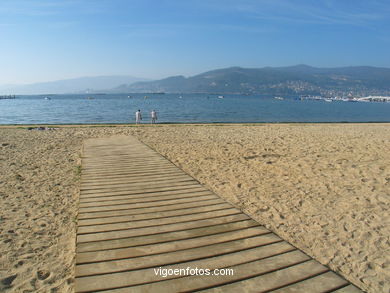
278, 98
90, 98
328, 100
146, 97
220, 97
180, 97
47, 98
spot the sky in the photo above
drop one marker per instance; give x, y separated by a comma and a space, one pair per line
46, 40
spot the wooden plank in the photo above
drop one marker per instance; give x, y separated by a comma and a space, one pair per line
274, 279
161, 208
155, 215
155, 222
139, 205
118, 194
149, 249
165, 236
106, 171
159, 229
265, 258
130, 159
131, 163
196, 189
139, 184
141, 178
127, 162
136, 199
128, 156
139, 212
172, 257
124, 174
148, 167
138, 160
138, 189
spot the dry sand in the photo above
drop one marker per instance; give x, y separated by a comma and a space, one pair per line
325, 188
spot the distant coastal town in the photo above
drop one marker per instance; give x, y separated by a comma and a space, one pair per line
385, 99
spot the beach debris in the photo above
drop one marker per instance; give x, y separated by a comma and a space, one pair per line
251, 157
5, 144
43, 274
263, 208
19, 177
8, 280
271, 155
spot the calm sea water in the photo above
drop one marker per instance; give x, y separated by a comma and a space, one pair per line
187, 108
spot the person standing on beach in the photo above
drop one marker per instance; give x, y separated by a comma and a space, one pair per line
153, 115
138, 117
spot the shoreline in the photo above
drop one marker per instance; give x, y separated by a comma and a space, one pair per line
322, 187
185, 124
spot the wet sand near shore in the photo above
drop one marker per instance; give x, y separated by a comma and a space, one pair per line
323, 187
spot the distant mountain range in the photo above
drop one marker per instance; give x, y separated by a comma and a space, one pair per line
71, 86
299, 79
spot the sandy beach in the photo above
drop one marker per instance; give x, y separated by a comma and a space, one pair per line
325, 188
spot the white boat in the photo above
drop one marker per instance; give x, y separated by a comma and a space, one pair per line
375, 99
180, 97
278, 98
220, 97
47, 98
328, 100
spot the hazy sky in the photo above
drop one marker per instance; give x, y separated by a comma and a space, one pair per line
47, 40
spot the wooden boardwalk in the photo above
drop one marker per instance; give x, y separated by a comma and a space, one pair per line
139, 212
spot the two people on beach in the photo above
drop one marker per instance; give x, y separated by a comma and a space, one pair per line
138, 117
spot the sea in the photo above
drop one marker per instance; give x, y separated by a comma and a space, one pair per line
183, 108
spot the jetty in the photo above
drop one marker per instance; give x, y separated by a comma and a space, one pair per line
144, 225
7, 97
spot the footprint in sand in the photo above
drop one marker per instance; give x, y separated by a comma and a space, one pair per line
43, 274
7, 282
